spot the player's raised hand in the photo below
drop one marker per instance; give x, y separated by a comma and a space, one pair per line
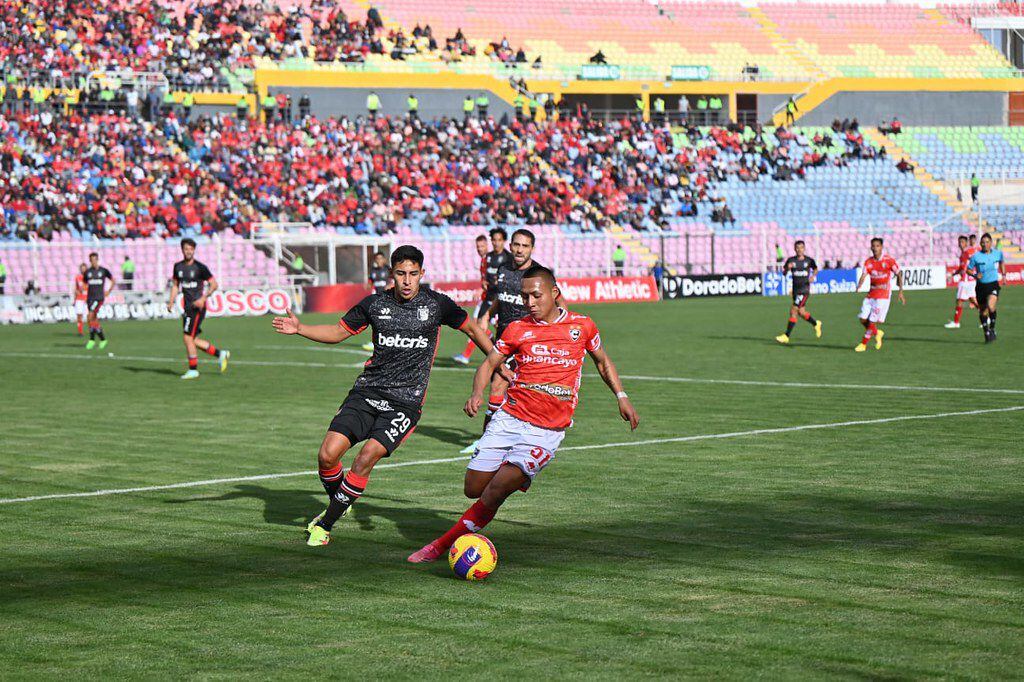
473, 405
287, 325
628, 413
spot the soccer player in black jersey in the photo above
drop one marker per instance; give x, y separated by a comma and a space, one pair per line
196, 283
380, 277
804, 270
96, 278
483, 306
494, 260
385, 402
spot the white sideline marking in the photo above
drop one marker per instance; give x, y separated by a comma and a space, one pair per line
631, 377
653, 441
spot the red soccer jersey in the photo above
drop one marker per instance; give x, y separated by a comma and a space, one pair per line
80, 288
549, 367
880, 271
965, 258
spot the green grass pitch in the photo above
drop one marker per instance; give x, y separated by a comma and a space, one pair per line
886, 549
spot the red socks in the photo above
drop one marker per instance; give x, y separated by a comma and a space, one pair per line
467, 352
79, 327
959, 312
869, 331
475, 518
193, 363
212, 350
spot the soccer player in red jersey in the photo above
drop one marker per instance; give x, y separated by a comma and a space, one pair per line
879, 268
78, 292
480, 312
549, 346
965, 287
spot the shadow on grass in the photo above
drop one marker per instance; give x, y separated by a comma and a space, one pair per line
445, 434
849, 543
150, 370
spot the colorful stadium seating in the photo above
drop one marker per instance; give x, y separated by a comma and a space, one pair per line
53, 265
954, 153
886, 40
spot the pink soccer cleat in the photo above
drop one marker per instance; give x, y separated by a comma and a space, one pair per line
426, 555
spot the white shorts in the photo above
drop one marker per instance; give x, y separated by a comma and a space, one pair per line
509, 440
874, 309
965, 290
80, 308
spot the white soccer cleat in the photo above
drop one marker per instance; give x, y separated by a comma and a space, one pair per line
460, 359
952, 325
368, 347
469, 449
225, 355
191, 374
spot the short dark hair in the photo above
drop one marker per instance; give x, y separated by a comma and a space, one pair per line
972, 236
407, 252
542, 272
962, 237
526, 233
188, 241
378, 253
798, 242
482, 238
94, 254
499, 230
877, 239
987, 235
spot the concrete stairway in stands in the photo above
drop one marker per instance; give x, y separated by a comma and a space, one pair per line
1011, 250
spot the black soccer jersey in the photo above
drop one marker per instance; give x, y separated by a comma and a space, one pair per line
495, 262
379, 277
405, 336
801, 269
191, 278
95, 279
510, 299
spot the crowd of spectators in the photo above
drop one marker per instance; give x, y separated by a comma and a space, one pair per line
117, 175
196, 45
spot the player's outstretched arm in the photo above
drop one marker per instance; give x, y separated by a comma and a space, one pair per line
899, 283
606, 368
481, 380
321, 333
478, 336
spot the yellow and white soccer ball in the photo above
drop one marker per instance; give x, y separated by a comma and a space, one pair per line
473, 557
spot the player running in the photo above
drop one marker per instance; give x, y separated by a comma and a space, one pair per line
804, 270
494, 261
380, 276
989, 267
549, 347
966, 286
483, 306
196, 283
78, 293
96, 292
879, 268
384, 404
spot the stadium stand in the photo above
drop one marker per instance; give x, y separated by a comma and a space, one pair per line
53, 265
890, 40
952, 153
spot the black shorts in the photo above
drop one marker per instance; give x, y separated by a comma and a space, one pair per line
365, 415
983, 290
192, 321
484, 305
800, 299
94, 304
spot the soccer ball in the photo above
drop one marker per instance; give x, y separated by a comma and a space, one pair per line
473, 557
